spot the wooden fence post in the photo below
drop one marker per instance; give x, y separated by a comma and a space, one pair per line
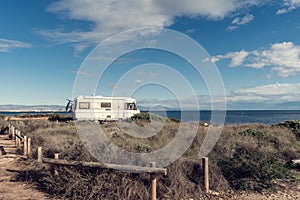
17, 142
206, 174
12, 132
55, 167
9, 129
153, 182
25, 145
16, 139
40, 154
28, 147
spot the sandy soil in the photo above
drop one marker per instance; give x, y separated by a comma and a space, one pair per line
10, 166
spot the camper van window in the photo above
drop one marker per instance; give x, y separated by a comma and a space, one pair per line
105, 105
84, 105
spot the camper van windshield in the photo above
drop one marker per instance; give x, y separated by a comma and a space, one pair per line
131, 106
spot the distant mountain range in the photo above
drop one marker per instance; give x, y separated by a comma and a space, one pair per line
24, 108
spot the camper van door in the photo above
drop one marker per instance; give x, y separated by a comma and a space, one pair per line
118, 108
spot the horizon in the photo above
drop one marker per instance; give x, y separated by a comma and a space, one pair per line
254, 46
146, 109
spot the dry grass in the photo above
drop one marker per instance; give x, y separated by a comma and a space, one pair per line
245, 157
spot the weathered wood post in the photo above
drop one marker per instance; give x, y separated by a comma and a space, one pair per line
9, 129
206, 174
40, 154
17, 141
12, 132
28, 147
153, 182
17, 133
25, 146
56, 155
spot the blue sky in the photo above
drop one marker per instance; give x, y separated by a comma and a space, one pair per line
255, 45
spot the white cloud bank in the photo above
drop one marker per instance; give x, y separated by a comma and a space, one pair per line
110, 17
283, 58
272, 92
272, 96
114, 16
6, 45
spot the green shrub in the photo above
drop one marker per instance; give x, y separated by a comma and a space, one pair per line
251, 169
141, 116
30, 115
252, 132
146, 117
294, 125
142, 148
60, 118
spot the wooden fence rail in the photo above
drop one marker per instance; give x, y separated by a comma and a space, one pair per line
124, 168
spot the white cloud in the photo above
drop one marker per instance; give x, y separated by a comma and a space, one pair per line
237, 58
272, 96
111, 17
280, 90
138, 81
240, 21
283, 58
82, 73
6, 45
244, 20
288, 6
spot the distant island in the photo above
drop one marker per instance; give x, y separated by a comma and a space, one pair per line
31, 108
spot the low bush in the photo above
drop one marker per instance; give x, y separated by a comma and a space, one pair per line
251, 169
294, 125
31, 115
141, 116
2, 117
60, 118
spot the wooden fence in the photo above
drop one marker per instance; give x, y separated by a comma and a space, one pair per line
20, 140
23, 140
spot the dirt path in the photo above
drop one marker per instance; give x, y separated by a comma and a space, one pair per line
10, 166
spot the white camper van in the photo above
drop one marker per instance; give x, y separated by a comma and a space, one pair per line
103, 108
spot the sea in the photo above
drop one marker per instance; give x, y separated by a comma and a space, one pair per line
267, 117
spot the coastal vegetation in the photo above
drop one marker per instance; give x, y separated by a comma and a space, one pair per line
248, 157
2, 117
